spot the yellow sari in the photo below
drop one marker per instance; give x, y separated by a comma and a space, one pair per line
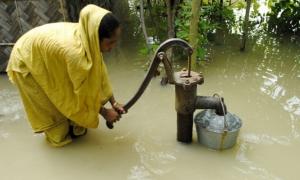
64, 61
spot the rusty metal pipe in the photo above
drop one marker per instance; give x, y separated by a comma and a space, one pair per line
184, 127
168, 67
209, 102
184, 105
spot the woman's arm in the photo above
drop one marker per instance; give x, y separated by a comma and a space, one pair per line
118, 107
112, 100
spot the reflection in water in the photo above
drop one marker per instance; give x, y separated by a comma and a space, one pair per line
3, 134
156, 157
293, 105
10, 110
121, 138
270, 86
250, 168
266, 97
10, 104
139, 173
266, 139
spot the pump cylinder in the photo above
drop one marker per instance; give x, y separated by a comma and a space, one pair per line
185, 98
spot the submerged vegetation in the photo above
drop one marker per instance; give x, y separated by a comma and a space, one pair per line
266, 17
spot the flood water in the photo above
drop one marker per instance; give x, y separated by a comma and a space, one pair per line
261, 86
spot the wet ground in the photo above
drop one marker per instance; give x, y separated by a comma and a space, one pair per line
261, 86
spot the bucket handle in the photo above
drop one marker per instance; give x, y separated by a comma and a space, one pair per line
223, 109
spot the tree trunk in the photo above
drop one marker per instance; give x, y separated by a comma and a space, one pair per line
152, 16
221, 9
193, 36
171, 11
171, 32
149, 3
142, 19
246, 24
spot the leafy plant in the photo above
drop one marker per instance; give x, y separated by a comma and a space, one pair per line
284, 17
150, 49
212, 17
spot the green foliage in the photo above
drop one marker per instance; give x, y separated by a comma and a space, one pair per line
212, 17
218, 16
240, 5
155, 29
148, 50
144, 51
284, 17
256, 6
182, 22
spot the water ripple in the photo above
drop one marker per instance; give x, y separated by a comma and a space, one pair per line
266, 139
10, 103
293, 105
155, 157
250, 168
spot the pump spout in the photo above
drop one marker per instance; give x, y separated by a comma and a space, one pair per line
210, 102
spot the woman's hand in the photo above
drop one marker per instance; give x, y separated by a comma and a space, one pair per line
110, 115
119, 108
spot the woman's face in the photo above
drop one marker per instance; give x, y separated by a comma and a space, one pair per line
108, 43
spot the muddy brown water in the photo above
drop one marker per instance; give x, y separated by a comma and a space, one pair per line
261, 86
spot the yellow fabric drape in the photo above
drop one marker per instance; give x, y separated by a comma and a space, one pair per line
65, 60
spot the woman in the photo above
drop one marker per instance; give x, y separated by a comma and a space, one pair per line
61, 76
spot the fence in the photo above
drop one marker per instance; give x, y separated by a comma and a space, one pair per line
19, 16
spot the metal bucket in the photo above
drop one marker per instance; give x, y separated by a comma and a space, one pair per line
217, 132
